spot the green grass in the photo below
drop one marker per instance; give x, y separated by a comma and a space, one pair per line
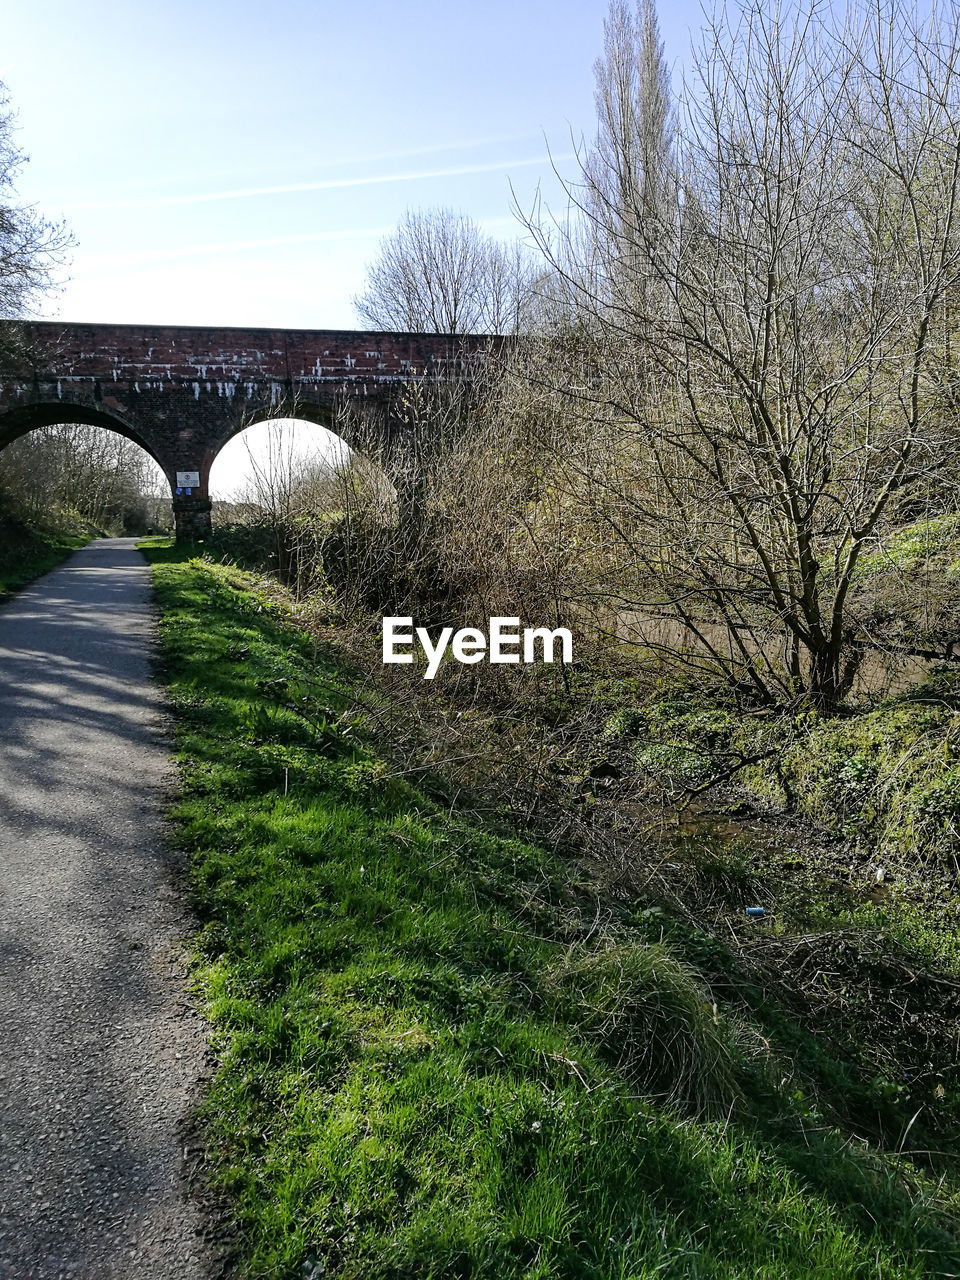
431, 1061
28, 551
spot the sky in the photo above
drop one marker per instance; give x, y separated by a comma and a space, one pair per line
238, 163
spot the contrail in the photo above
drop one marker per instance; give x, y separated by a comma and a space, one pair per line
329, 184
134, 257
375, 157
407, 153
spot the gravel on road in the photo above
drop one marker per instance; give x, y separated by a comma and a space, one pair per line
101, 1053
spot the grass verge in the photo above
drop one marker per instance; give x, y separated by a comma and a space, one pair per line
433, 1063
29, 551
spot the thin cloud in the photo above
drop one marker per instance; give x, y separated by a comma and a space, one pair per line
352, 160
328, 184
434, 148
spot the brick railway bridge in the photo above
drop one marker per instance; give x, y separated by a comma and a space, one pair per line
181, 392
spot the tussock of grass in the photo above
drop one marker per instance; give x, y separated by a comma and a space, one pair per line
418, 1077
655, 1020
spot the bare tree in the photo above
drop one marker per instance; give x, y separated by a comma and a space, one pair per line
31, 246
630, 172
765, 355
439, 273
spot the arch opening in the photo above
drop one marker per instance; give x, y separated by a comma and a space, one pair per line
289, 466
72, 468
19, 422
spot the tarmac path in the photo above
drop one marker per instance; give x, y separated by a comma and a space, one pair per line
101, 1053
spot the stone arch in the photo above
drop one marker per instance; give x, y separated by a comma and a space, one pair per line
365, 431
364, 427
320, 415
23, 419
364, 441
